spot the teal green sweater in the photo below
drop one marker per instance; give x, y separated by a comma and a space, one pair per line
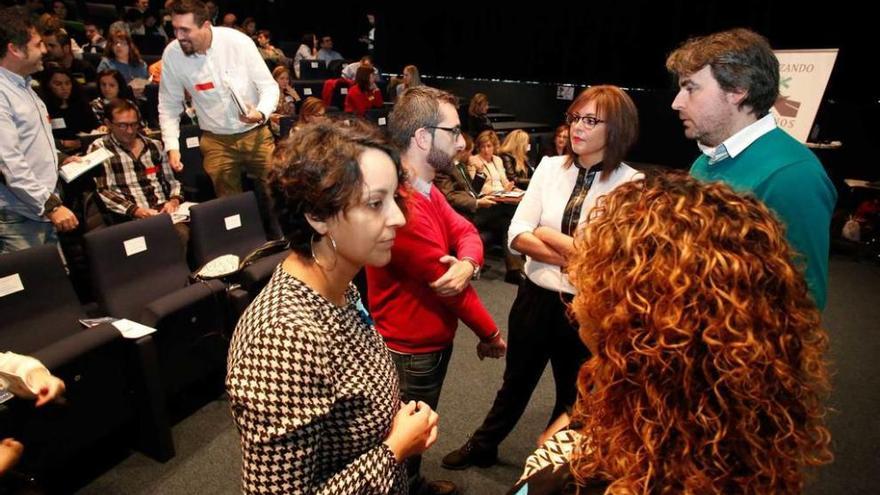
789, 179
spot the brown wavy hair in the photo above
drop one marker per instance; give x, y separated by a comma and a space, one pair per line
709, 372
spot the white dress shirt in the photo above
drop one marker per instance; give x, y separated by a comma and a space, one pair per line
544, 205
737, 143
232, 62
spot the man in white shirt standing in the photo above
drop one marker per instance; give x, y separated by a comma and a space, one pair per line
232, 91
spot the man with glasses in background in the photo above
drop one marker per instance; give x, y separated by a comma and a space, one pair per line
137, 181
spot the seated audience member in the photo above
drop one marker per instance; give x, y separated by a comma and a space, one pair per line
478, 118
95, 38
340, 426
39, 384
312, 110
458, 186
708, 372
122, 55
308, 50
137, 181
141, 5
273, 55
152, 26
229, 21
69, 113
327, 53
134, 19
350, 70
287, 99
489, 165
59, 9
514, 153
363, 94
560, 142
411, 79
111, 85
59, 51
249, 27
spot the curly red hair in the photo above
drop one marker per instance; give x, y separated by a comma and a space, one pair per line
709, 372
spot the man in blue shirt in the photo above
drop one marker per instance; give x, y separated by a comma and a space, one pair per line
30, 209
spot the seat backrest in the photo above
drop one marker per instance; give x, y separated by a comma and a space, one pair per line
196, 183
134, 263
313, 69
37, 302
227, 225
378, 116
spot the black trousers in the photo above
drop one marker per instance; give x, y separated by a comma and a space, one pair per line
539, 330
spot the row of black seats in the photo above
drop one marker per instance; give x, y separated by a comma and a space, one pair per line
128, 390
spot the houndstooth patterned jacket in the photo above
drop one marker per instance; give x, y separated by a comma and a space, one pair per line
313, 392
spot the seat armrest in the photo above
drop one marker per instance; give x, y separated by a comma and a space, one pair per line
68, 349
167, 305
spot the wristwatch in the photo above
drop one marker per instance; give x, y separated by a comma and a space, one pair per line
476, 274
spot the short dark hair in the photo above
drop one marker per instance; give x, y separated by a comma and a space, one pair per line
119, 105
316, 172
195, 7
60, 35
739, 59
15, 28
416, 108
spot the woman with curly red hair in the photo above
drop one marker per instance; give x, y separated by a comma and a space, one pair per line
708, 372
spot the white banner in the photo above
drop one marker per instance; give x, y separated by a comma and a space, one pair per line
803, 76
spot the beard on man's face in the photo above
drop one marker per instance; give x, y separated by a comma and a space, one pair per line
439, 159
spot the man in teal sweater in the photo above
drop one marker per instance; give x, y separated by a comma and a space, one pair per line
728, 82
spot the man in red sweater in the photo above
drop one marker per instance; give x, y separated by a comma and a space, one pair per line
417, 299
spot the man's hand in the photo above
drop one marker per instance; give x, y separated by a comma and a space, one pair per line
63, 219
456, 277
49, 387
253, 116
144, 212
171, 206
174, 160
495, 348
485, 202
10, 453
71, 159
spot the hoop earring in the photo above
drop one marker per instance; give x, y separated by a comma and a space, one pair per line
315, 257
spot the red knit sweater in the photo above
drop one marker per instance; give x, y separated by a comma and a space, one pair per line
358, 102
408, 313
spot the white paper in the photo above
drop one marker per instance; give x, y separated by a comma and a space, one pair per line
132, 329
307, 91
192, 142
135, 246
182, 213
10, 285
73, 170
344, 91
58, 124
314, 65
382, 121
233, 222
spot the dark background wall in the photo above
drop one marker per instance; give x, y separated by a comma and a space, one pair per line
623, 43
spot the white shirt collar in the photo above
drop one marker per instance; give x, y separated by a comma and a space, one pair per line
741, 140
